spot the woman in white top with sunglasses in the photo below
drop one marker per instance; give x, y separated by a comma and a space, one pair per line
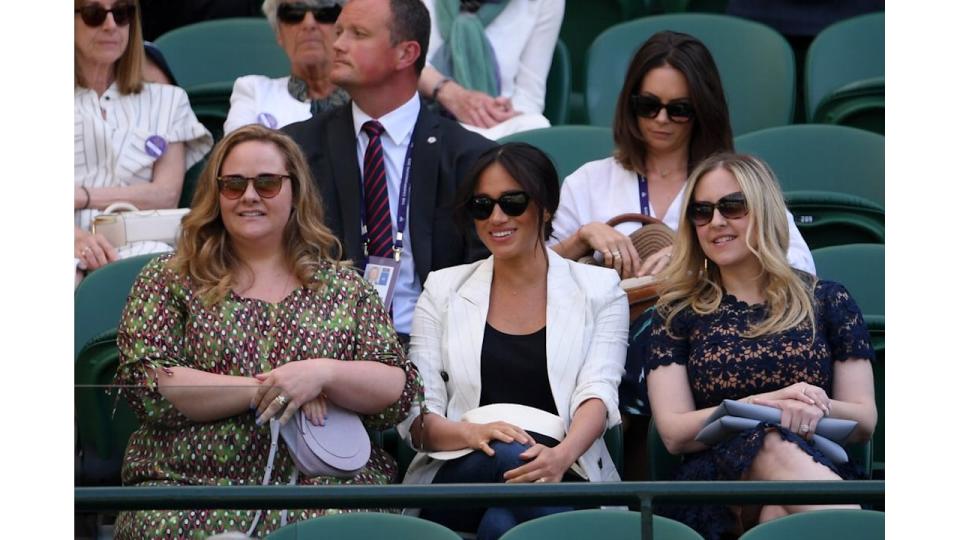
670, 116
524, 326
133, 140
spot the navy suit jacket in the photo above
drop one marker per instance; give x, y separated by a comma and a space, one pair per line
443, 154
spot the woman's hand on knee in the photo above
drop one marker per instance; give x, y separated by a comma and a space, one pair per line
479, 435
797, 416
546, 465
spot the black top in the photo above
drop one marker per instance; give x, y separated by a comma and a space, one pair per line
513, 369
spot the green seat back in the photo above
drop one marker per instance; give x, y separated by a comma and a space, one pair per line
222, 50
832, 178
190, 180
583, 21
99, 300
839, 60
99, 429
606, 524
846, 524
568, 146
613, 439
661, 464
559, 79
366, 525
860, 268
756, 66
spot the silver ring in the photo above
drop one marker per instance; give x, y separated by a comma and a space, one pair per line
281, 399
804, 428
616, 255
541, 480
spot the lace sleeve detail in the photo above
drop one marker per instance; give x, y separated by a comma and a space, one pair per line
845, 329
664, 348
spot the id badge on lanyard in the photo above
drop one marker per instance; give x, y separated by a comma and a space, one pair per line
382, 273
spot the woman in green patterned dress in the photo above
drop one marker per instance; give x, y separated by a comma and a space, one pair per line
253, 299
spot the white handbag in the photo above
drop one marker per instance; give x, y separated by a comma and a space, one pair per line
122, 223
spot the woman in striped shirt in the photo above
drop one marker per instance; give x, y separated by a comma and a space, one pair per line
132, 140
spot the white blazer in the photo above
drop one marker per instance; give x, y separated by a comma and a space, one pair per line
587, 319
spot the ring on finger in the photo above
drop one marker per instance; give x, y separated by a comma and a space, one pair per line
804, 428
616, 255
281, 399
541, 480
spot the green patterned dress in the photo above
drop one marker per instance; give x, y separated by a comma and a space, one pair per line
165, 325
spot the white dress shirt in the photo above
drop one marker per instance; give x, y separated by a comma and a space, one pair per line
398, 127
602, 189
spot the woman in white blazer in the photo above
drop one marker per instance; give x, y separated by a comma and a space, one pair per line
524, 326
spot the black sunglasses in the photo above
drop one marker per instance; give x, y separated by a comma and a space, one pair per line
295, 12
513, 204
93, 15
649, 107
266, 185
732, 206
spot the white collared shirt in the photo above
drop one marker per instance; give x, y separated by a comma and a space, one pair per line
398, 127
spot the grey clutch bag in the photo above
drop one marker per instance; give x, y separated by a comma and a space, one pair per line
732, 417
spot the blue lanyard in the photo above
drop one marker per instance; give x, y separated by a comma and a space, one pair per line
644, 195
402, 205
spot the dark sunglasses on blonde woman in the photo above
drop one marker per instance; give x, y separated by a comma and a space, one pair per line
267, 186
93, 15
732, 206
513, 204
293, 13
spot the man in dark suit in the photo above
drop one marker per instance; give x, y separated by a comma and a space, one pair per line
378, 56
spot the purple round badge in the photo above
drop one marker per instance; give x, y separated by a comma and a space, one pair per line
155, 145
267, 119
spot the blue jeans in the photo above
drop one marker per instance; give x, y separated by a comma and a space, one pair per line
490, 523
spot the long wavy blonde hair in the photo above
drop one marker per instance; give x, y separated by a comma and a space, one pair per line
690, 282
204, 251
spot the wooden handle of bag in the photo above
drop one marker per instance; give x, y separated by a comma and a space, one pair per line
628, 218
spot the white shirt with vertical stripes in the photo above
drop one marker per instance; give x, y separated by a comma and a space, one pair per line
118, 138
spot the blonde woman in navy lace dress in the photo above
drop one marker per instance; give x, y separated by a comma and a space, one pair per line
736, 322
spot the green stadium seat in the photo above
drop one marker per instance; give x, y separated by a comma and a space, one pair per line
559, 79
366, 525
207, 57
832, 178
756, 66
99, 300
846, 524
101, 434
104, 421
845, 74
860, 268
221, 50
606, 524
190, 180
568, 146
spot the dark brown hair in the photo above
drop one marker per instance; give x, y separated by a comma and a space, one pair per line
711, 119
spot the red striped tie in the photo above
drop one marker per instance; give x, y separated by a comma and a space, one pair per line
379, 227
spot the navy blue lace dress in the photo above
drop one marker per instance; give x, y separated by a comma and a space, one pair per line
723, 365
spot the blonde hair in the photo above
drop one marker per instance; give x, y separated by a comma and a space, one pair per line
204, 251
128, 69
691, 281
